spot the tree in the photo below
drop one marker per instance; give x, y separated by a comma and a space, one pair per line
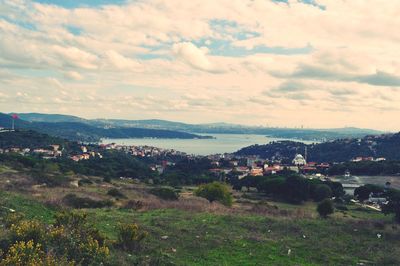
325, 208
215, 191
393, 205
296, 189
322, 192
362, 193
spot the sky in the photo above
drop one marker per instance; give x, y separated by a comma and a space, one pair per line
316, 64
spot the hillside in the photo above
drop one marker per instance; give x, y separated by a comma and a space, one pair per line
89, 133
210, 128
192, 231
386, 145
28, 139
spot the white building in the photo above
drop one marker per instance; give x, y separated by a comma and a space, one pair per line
299, 160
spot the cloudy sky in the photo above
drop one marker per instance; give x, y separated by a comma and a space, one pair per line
322, 63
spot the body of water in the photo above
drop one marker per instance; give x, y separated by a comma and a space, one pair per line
222, 143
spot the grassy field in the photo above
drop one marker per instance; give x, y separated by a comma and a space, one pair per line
181, 237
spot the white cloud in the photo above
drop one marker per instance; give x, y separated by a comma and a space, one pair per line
206, 57
73, 75
194, 56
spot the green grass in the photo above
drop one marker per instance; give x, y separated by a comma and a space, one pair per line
6, 169
216, 239
29, 207
210, 239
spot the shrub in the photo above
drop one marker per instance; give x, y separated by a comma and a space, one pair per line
70, 219
72, 236
85, 181
12, 218
24, 253
130, 236
215, 191
92, 253
165, 193
83, 202
134, 205
341, 207
30, 253
325, 208
322, 192
116, 193
28, 230
50, 179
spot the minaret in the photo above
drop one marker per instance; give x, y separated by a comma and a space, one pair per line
305, 154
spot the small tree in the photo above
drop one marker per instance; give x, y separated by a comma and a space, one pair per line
325, 208
322, 192
393, 206
215, 191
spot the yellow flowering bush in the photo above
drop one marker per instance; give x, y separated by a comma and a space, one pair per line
130, 236
71, 240
28, 230
30, 254
12, 218
91, 252
24, 253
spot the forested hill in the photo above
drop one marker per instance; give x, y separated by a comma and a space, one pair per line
210, 128
28, 139
78, 131
387, 146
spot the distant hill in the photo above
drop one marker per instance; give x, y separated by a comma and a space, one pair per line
87, 132
28, 139
210, 128
37, 117
341, 150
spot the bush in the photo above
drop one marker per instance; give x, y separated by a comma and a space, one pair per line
50, 179
69, 241
83, 202
73, 237
85, 181
28, 230
116, 193
322, 192
12, 218
165, 193
215, 191
130, 236
28, 253
133, 204
325, 208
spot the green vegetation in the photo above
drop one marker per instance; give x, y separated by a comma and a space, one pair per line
325, 208
389, 167
393, 206
69, 241
74, 201
183, 237
116, 193
130, 237
291, 188
215, 191
322, 192
340, 150
81, 131
165, 193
